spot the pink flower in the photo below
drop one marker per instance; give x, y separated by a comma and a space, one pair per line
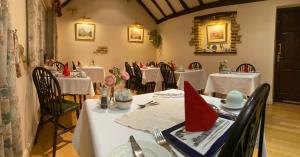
110, 80
125, 76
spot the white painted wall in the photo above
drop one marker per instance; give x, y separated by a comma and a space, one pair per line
112, 18
257, 22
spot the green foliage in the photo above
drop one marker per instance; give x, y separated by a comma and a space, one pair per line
155, 38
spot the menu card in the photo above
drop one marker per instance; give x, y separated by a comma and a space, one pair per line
203, 143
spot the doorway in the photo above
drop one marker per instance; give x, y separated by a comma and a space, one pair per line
287, 56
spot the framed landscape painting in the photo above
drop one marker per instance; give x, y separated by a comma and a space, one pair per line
85, 31
135, 34
216, 33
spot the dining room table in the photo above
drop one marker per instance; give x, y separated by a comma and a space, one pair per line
197, 78
225, 82
152, 74
96, 73
75, 85
105, 132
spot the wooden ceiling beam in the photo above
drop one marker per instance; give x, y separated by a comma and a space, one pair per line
158, 7
184, 5
148, 11
170, 5
65, 3
206, 6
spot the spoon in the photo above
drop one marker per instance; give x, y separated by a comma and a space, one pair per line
151, 103
223, 112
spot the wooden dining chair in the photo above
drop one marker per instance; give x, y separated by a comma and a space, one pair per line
140, 87
245, 67
168, 76
195, 65
151, 63
132, 78
242, 137
52, 106
160, 63
58, 65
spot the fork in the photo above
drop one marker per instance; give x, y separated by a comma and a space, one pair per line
160, 139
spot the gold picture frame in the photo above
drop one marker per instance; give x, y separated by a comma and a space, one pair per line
136, 33
85, 31
216, 33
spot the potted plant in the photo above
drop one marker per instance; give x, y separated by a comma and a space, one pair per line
155, 38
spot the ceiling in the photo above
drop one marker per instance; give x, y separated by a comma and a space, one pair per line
162, 10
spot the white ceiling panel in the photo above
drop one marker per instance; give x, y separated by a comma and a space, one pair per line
164, 6
154, 10
209, 1
176, 5
192, 3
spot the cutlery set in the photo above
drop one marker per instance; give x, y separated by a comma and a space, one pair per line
159, 138
150, 103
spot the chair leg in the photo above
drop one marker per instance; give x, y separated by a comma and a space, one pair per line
74, 98
55, 136
77, 113
38, 130
80, 103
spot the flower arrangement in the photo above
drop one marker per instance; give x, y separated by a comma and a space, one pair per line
116, 78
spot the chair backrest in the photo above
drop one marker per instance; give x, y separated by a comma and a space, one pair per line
48, 90
137, 71
196, 65
129, 69
160, 63
168, 76
152, 63
59, 66
245, 67
242, 137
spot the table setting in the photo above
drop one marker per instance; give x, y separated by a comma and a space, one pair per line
197, 77
106, 132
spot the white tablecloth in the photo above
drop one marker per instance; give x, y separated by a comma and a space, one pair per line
96, 73
197, 78
96, 133
150, 74
76, 85
224, 83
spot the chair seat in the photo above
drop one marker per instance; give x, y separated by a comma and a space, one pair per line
68, 106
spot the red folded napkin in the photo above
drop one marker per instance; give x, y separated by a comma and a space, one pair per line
78, 63
141, 65
199, 116
190, 66
66, 70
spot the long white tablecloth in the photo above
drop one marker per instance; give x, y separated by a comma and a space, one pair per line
224, 83
197, 78
150, 74
96, 73
97, 133
76, 85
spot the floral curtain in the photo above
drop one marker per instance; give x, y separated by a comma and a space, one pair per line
10, 140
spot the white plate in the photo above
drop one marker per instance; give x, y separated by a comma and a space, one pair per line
149, 150
232, 107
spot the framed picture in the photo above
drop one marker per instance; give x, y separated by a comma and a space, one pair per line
216, 33
85, 31
135, 33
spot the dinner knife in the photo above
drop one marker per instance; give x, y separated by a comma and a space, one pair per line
137, 151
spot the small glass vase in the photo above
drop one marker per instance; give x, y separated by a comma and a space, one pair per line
112, 94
